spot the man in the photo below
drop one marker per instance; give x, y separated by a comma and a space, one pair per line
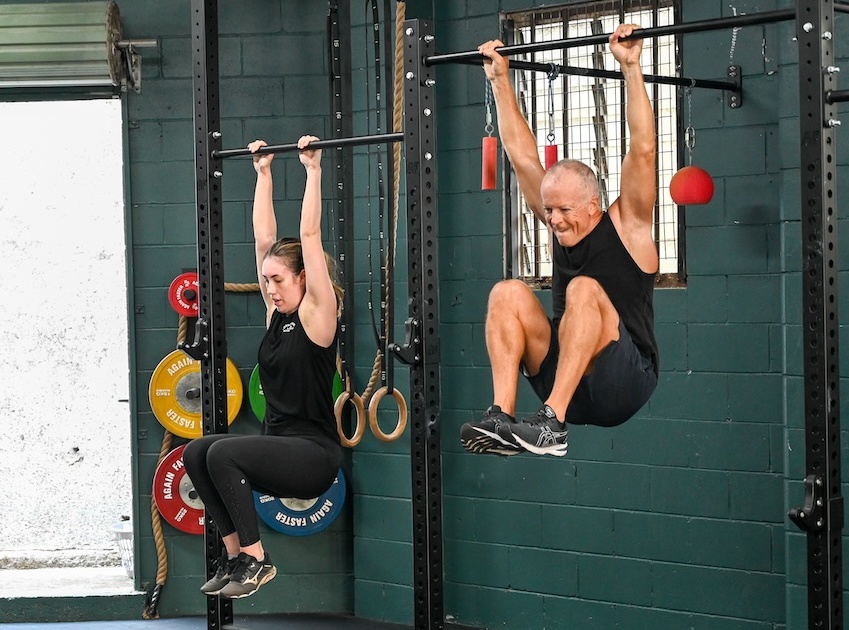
595, 362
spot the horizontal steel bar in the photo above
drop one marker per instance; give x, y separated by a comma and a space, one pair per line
836, 96
317, 144
136, 43
843, 7
613, 74
642, 33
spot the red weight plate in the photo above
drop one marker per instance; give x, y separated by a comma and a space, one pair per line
183, 294
175, 495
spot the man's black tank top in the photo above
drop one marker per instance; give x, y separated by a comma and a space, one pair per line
297, 381
602, 256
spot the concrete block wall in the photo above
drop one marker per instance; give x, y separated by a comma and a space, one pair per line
382, 540
678, 517
675, 519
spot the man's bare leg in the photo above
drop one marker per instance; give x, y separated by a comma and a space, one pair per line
590, 322
517, 333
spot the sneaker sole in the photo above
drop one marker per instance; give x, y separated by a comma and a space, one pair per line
216, 591
557, 450
268, 577
483, 445
497, 438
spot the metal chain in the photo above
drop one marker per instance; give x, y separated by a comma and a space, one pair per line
487, 99
552, 76
689, 132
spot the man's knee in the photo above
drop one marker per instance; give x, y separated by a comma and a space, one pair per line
585, 292
510, 299
509, 290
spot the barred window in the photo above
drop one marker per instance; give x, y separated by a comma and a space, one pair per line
585, 117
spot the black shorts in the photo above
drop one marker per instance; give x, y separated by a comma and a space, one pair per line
621, 382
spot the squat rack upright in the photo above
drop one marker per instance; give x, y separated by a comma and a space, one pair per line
421, 346
822, 514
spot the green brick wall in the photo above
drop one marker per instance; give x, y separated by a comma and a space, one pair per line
676, 519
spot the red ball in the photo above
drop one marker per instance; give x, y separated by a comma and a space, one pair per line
691, 186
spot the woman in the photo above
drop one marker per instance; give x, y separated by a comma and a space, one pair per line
298, 453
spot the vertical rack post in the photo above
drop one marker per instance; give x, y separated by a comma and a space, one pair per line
339, 34
822, 515
423, 325
210, 344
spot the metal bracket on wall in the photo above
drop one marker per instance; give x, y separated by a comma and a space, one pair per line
131, 60
817, 511
735, 76
410, 352
198, 349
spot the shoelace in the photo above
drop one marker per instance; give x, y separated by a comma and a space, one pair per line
240, 569
539, 419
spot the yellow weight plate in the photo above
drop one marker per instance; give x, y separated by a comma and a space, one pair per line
175, 394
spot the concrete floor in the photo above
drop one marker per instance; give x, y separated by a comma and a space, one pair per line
65, 582
84, 581
270, 622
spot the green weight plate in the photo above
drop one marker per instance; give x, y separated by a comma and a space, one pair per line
257, 398
255, 395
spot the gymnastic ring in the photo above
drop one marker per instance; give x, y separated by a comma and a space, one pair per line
402, 414
357, 401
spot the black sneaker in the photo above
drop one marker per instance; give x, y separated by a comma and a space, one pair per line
483, 437
248, 576
222, 574
541, 433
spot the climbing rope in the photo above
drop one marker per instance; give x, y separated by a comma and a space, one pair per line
382, 367
152, 601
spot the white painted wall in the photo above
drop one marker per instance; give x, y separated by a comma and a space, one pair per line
64, 420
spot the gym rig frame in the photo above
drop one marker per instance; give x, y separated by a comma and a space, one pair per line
821, 516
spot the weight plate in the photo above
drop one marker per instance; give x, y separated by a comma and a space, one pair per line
257, 398
183, 294
175, 495
175, 394
255, 395
302, 517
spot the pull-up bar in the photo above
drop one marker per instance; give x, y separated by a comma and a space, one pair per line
642, 33
316, 144
614, 74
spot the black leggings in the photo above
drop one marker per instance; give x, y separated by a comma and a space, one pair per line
225, 469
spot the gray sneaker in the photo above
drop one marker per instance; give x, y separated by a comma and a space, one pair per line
541, 433
224, 570
248, 576
483, 436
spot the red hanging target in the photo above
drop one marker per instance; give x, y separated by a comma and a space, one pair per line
489, 161
183, 294
551, 156
691, 186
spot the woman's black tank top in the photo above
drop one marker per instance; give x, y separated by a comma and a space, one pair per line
602, 256
297, 381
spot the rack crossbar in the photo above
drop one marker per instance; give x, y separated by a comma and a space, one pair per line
765, 17
317, 144
535, 66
